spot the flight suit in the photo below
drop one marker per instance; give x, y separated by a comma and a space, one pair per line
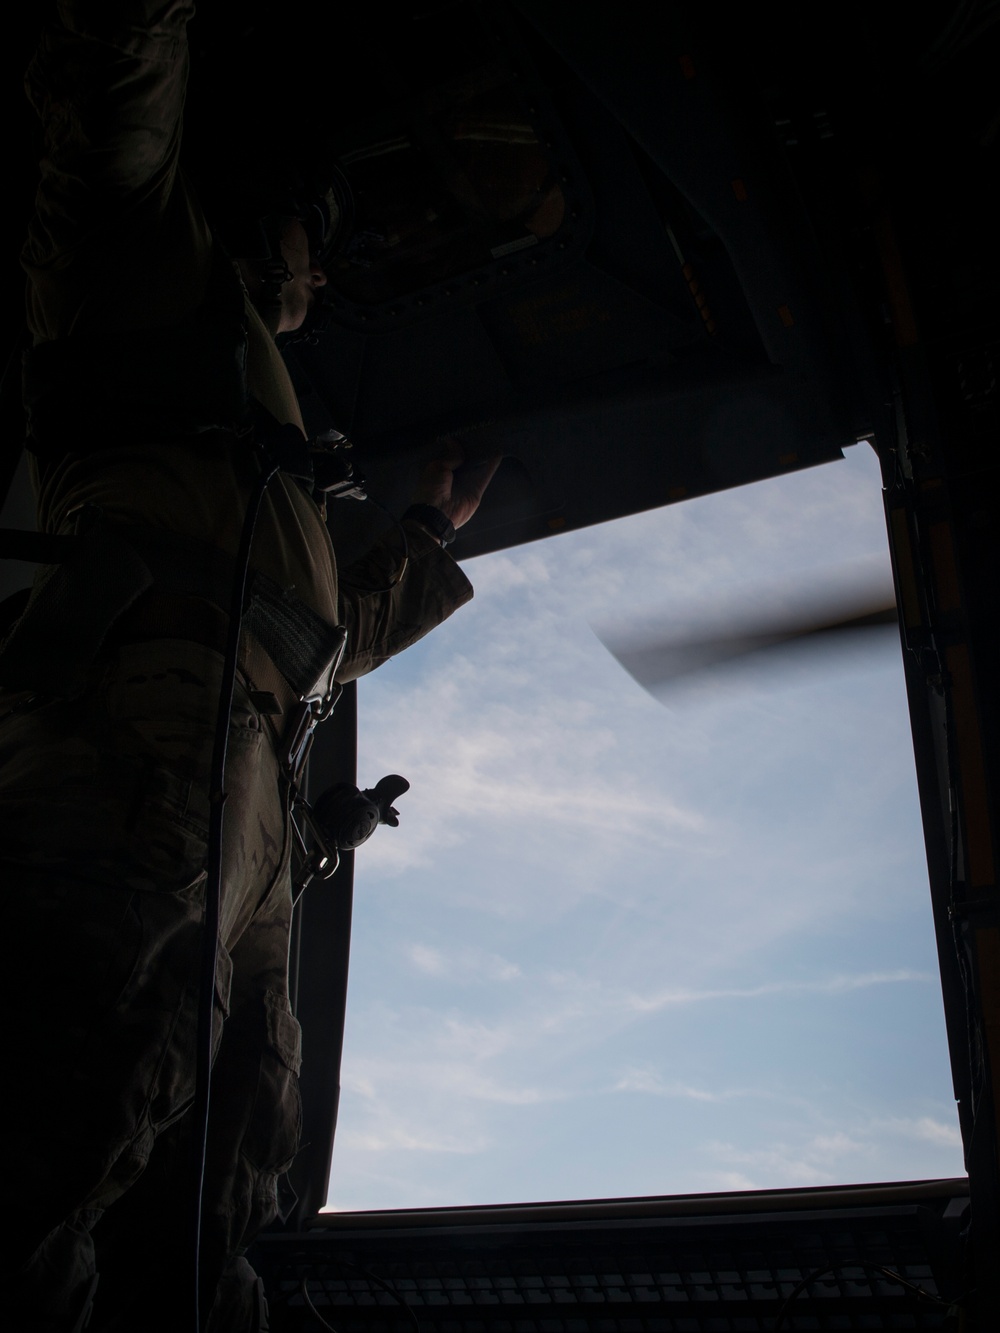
105, 767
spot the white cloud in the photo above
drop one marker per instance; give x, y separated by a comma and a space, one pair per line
647, 1080
525, 1053
397, 1138
442, 1083
474, 1040
860, 1148
820, 986
523, 767
821, 1159
926, 1129
463, 965
732, 1182
503, 572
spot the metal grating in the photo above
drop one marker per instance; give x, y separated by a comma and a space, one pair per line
678, 1275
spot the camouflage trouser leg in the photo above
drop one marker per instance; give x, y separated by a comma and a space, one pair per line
103, 823
253, 1136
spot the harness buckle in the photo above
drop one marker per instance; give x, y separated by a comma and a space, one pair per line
314, 707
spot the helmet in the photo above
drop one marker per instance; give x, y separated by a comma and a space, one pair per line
326, 209
251, 216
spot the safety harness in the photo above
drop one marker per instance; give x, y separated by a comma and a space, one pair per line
116, 581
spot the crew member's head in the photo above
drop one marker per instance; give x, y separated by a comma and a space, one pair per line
283, 233
284, 290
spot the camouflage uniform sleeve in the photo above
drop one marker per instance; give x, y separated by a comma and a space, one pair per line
116, 240
382, 623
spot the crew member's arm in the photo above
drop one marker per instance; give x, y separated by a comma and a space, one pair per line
116, 241
382, 621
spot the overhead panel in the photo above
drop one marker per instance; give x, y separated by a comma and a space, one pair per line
569, 249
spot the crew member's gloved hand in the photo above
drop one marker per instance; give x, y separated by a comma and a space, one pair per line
454, 486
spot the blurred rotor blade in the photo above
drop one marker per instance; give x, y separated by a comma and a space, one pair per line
656, 663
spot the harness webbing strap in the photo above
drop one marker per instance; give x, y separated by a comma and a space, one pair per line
89, 580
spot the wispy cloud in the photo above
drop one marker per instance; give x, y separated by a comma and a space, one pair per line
817, 1160
549, 1023
502, 573
647, 1080
398, 1138
462, 965
820, 986
513, 768
862, 1148
926, 1130
446, 1083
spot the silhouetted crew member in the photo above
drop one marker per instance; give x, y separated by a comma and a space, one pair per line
148, 350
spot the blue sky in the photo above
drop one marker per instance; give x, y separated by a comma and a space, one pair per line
620, 946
